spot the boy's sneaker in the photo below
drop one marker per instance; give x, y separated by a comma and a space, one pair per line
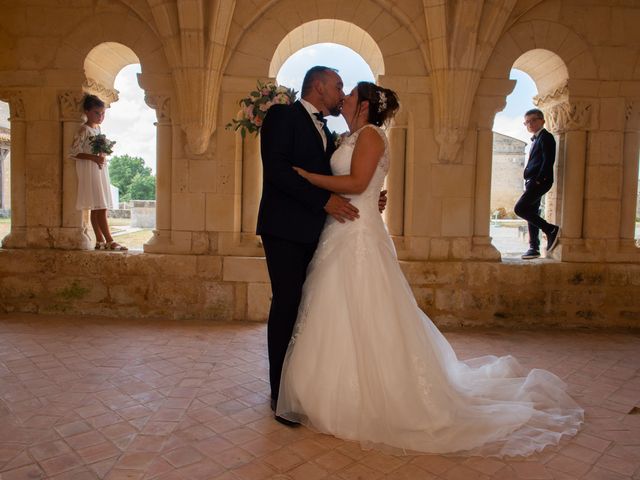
552, 239
531, 253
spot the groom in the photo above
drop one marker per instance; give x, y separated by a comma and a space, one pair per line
292, 211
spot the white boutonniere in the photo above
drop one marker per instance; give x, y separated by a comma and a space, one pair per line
338, 138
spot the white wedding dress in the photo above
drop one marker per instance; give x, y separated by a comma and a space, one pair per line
366, 364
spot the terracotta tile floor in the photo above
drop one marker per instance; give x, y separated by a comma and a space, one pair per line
102, 398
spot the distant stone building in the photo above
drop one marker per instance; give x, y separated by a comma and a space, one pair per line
5, 170
506, 176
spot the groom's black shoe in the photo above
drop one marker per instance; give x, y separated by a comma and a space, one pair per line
281, 420
286, 422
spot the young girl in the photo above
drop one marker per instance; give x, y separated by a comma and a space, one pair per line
94, 192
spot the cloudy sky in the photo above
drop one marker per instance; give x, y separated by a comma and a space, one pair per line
351, 67
509, 121
129, 121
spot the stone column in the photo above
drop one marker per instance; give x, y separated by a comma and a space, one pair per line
394, 213
482, 207
251, 182
630, 192
572, 153
553, 199
492, 99
17, 238
569, 121
481, 241
161, 239
74, 232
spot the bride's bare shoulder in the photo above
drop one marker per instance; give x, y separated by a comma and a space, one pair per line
371, 137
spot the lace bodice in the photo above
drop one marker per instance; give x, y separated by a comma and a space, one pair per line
341, 165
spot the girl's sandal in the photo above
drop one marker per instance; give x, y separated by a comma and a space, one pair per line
100, 245
115, 246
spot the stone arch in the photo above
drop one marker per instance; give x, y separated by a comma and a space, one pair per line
262, 38
105, 60
329, 31
108, 28
252, 47
548, 44
545, 68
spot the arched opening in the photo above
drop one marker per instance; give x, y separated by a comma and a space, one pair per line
327, 42
511, 143
538, 73
112, 72
329, 31
5, 170
350, 65
334, 43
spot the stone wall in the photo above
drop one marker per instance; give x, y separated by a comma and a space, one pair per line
516, 294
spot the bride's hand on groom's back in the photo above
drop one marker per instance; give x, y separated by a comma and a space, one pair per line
340, 208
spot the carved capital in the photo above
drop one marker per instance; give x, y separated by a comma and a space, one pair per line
107, 95
16, 103
566, 116
70, 105
557, 95
162, 105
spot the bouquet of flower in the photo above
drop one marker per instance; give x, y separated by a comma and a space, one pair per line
101, 144
254, 107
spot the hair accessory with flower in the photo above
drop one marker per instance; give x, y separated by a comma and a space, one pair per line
382, 101
254, 107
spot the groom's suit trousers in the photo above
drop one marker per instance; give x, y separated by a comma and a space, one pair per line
287, 262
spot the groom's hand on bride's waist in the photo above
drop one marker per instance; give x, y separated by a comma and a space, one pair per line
340, 208
382, 201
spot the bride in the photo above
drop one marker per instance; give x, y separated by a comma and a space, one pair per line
366, 364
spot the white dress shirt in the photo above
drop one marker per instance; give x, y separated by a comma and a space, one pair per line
311, 110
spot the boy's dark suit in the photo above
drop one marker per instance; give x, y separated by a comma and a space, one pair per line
291, 217
538, 177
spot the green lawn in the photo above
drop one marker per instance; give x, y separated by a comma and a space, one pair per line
5, 227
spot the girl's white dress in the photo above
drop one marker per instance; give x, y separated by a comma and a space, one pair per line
94, 191
366, 364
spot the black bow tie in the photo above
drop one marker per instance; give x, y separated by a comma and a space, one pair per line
320, 117
533, 139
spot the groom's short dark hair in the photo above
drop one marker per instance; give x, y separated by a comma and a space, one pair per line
314, 73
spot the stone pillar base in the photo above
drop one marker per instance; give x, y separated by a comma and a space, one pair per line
240, 244
64, 238
17, 238
446, 248
483, 249
72, 238
597, 250
162, 241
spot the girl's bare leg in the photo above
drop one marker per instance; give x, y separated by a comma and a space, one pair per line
104, 225
95, 223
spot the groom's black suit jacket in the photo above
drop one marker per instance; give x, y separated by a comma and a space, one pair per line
541, 159
291, 208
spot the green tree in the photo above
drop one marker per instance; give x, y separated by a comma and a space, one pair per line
123, 169
142, 187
